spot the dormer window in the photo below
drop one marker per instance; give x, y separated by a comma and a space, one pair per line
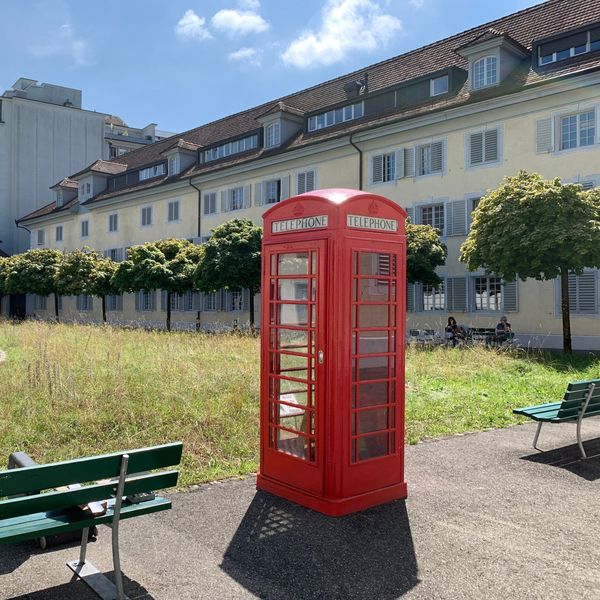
336, 116
174, 165
59, 198
485, 72
272, 135
569, 46
150, 172
439, 85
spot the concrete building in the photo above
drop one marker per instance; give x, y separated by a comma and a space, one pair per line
45, 135
432, 129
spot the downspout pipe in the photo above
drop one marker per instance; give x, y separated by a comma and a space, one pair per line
360, 162
199, 206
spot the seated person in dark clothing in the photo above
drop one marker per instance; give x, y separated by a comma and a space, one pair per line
453, 331
503, 331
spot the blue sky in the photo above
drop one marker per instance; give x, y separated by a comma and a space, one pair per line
183, 63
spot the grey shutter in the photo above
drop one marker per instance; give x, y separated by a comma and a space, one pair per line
259, 198
409, 162
400, 164
226, 301
206, 204
120, 254
456, 294
198, 301
543, 135
163, 300
220, 299
310, 180
491, 145
137, 301
456, 217
437, 157
245, 300
224, 206
583, 293
377, 168
410, 211
410, 297
152, 303
285, 187
476, 148
510, 300
247, 202
301, 183
119, 302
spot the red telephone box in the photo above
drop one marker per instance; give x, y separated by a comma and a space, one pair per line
332, 358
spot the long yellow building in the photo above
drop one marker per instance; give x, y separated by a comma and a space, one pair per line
432, 129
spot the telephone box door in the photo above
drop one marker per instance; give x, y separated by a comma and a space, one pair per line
293, 311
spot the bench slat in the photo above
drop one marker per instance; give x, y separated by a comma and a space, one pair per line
582, 385
81, 470
59, 500
45, 524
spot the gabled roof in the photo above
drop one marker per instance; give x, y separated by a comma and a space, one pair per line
65, 183
183, 144
49, 209
282, 107
492, 34
106, 167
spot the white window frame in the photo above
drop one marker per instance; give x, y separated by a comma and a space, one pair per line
491, 63
174, 164
41, 237
487, 309
145, 301
571, 50
335, 116
273, 135
438, 297
432, 85
419, 149
577, 114
114, 303
235, 196
85, 228
58, 233
272, 198
146, 211
113, 217
210, 301
151, 172
212, 203
236, 301
433, 206
235, 147
173, 211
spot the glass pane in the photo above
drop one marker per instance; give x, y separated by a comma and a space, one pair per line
372, 446
374, 367
293, 263
291, 392
292, 289
291, 443
293, 366
372, 420
373, 342
292, 314
373, 263
371, 394
291, 339
371, 290
289, 387
291, 417
374, 315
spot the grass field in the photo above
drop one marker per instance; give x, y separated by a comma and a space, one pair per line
71, 390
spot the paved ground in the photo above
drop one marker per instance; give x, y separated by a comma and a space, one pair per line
486, 519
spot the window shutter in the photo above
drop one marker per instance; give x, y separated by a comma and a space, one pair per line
543, 136
301, 183
226, 301
437, 157
285, 187
259, 197
311, 178
491, 145
120, 254
456, 217
245, 300
476, 148
247, 196
400, 164
411, 213
224, 206
583, 292
220, 299
510, 300
163, 300
152, 298
410, 297
137, 301
409, 162
198, 301
456, 294
377, 169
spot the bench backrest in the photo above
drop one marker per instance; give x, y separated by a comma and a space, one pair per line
36, 479
574, 397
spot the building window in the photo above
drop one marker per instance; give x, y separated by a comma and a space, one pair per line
272, 191
434, 298
248, 143
488, 293
210, 301
39, 302
583, 293
578, 130
273, 135
569, 46
485, 72
88, 188
144, 301
384, 167
150, 172
174, 165
430, 158
236, 198
236, 301
439, 85
336, 116
483, 147
173, 211
59, 233
114, 302
305, 181
433, 215
115, 254
85, 228
210, 203
84, 303
146, 216
41, 237
113, 222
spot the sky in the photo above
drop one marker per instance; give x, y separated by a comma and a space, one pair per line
183, 63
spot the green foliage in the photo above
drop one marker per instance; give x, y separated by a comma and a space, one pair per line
231, 258
85, 272
532, 227
424, 252
4, 268
34, 272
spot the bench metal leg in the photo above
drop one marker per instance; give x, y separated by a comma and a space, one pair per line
584, 406
537, 435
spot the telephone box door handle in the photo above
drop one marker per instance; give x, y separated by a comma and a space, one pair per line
320, 357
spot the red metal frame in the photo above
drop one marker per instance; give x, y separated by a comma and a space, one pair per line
340, 448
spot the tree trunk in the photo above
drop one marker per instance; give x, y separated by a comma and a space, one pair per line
169, 294
251, 308
104, 309
566, 313
56, 307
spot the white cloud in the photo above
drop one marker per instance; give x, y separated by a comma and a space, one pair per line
249, 56
191, 27
63, 42
242, 20
347, 25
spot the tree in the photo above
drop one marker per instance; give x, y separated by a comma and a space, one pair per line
167, 265
535, 228
34, 272
86, 272
232, 260
424, 252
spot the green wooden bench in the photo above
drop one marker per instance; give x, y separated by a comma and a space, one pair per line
581, 400
122, 479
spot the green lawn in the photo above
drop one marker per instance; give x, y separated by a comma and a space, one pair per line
74, 390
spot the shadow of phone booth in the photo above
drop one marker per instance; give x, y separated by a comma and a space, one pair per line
332, 351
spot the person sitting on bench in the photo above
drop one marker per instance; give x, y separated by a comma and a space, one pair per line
503, 331
453, 331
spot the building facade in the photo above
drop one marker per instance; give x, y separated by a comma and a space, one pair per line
432, 129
